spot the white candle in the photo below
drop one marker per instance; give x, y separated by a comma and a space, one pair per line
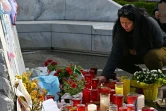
92, 107
140, 101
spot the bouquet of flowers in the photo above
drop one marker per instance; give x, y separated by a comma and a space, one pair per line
51, 65
73, 80
36, 93
149, 81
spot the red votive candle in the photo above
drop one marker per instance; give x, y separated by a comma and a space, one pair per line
151, 109
49, 97
123, 109
86, 96
130, 107
93, 95
131, 98
95, 83
118, 99
88, 79
94, 70
112, 92
81, 107
76, 101
145, 109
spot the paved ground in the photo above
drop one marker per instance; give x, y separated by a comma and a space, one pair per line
37, 58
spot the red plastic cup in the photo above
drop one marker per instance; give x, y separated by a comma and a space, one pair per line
76, 101
81, 107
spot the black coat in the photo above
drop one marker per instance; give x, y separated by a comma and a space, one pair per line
118, 49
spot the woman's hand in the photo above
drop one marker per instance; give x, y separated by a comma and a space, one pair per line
157, 15
101, 79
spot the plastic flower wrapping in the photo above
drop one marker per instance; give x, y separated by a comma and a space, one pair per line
29, 93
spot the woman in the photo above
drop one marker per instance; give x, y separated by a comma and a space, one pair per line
137, 39
157, 16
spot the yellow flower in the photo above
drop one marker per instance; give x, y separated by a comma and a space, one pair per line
35, 81
33, 85
33, 93
18, 77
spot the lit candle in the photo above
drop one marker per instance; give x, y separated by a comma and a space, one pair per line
92, 107
140, 102
119, 88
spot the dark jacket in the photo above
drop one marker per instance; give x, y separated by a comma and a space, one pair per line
162, 25
118, 48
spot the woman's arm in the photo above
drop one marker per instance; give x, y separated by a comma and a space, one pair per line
113, 58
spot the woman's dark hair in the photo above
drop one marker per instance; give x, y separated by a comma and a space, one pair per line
141, 26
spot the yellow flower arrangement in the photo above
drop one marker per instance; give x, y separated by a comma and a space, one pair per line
35, 91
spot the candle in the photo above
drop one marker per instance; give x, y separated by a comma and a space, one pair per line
92, 107
104, 99
93, 95
112, 92
88, 79
86, 96
126, 86
123, 109
131, 98
113, 107
140, 102
119, 88
130, 107
95, 83
49, 97
118, 99
81, 107
76, 101
145, 109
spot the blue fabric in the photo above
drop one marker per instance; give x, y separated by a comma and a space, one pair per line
51, 84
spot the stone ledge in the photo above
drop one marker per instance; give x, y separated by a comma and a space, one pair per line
72, 35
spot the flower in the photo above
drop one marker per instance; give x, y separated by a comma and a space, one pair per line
51, 65
150, 77
35, 91
71, 79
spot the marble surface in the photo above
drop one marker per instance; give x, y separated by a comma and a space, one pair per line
89, 10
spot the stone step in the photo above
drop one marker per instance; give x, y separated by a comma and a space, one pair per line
86, 36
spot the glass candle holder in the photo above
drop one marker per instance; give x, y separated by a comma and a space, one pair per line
126, 86
130, 107
119, 88
88, 80
112, 92
49, 97
151, 109
76, 101
132, 98
118, 99
95, 83
104, 101
92, 107
122, 108
81, 107
86, 96
145, 109
113, 107
93, 95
